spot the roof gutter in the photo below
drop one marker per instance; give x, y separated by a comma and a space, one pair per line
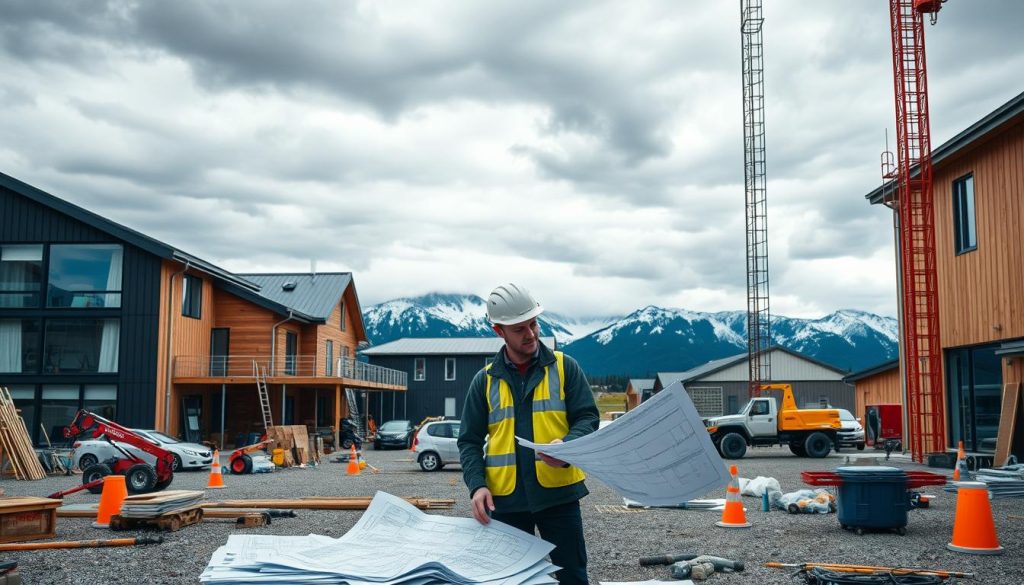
273, 342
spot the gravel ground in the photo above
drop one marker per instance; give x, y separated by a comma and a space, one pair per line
615, 539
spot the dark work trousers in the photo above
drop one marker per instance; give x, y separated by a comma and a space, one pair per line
562, 526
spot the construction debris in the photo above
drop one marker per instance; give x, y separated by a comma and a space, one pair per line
294, 440
330, 503
155, 504
1002, 482
15, 443
27, 518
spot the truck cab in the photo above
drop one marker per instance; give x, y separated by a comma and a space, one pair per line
807, 432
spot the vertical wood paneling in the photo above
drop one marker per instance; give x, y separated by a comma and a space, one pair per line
978, 290
882, 388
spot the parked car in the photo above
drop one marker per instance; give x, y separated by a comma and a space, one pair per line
186, 455
435, 444
852, 432
394, 433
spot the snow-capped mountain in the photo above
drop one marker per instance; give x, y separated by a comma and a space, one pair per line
457, 315
654, 339
649, 340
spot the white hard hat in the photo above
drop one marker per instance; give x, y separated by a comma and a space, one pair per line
510, 304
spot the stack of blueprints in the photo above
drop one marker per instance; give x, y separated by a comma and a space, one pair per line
393, 543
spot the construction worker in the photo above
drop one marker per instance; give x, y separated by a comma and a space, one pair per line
371, 428
539, 394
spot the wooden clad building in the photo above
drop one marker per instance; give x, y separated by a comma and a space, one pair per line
978, 179
95, 315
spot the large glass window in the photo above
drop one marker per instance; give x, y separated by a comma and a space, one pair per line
59, 405
21, 275
449, 369
19, 346
329, 360
192, 296
101, 399
965, 231
85, 275
974, 381
81, 345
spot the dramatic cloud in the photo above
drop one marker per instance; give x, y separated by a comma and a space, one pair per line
592, 150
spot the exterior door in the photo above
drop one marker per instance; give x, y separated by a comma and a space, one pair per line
219, 351
760, 418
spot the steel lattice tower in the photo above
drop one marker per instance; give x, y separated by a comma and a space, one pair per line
916, 216
758, 322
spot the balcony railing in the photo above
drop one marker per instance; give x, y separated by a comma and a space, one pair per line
302, 366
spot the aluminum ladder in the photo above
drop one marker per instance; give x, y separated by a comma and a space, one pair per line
261, 385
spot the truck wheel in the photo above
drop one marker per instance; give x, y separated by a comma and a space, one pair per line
94, 472
141, 478
733, 446
798, 449
817, 445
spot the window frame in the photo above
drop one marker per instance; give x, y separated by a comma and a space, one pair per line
191, 296
965, 215
34, 298
449, 360
329, 357
419, 369
341, 323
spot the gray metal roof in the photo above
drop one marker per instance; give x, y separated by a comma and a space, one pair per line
642, 383
315, 295
979, 129
669, 378
444, 346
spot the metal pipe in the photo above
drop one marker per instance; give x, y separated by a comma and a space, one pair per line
273, 343
170, 338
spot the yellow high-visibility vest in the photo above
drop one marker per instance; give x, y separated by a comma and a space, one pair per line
549, 423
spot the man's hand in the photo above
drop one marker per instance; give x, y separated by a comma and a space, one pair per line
551, 460
482, 504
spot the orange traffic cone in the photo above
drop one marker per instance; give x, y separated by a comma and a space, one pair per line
733, 515
216, 478
961, 463
114, 492
353, 463
974, 531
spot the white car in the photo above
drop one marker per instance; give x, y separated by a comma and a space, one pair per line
436, 444
852, 432
186, 455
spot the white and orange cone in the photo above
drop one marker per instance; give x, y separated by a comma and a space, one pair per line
974, 530
960, 468
216, 478
733, 515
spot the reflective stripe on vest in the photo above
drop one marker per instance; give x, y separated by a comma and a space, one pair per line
549, 423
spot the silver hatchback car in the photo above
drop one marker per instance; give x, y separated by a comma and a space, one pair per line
435, 444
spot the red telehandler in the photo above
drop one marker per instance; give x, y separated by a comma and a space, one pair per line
140, 477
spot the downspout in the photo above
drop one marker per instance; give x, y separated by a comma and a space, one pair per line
170, 336
273, 343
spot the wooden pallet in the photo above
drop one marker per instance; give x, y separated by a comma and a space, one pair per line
169, 522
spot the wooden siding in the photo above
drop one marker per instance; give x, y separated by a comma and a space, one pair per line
25, 221
250, 325
331, 331
978, 290
882, 388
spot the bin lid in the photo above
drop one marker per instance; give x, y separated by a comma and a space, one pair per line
875, 471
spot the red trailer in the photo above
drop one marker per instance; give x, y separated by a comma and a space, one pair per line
882, 422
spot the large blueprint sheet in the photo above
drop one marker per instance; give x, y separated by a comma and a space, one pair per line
393, 542
659, 454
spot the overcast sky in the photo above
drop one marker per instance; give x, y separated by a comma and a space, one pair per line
589, 150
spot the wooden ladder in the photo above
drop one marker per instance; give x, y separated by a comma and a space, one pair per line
261, 385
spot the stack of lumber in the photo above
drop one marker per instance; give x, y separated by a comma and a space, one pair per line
294, 439
156, 504
329, 503
15, 442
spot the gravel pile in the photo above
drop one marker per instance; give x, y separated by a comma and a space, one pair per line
615, 538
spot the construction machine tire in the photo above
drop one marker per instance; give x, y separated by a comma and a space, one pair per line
162, 485
241, 465
817, 445
94, 472
798, 449
733, 446
140, 478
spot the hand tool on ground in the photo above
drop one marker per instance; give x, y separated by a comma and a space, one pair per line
871, 569
721, 564
666, 559
81, 543
691, 570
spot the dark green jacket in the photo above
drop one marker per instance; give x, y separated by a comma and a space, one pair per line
581, 412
